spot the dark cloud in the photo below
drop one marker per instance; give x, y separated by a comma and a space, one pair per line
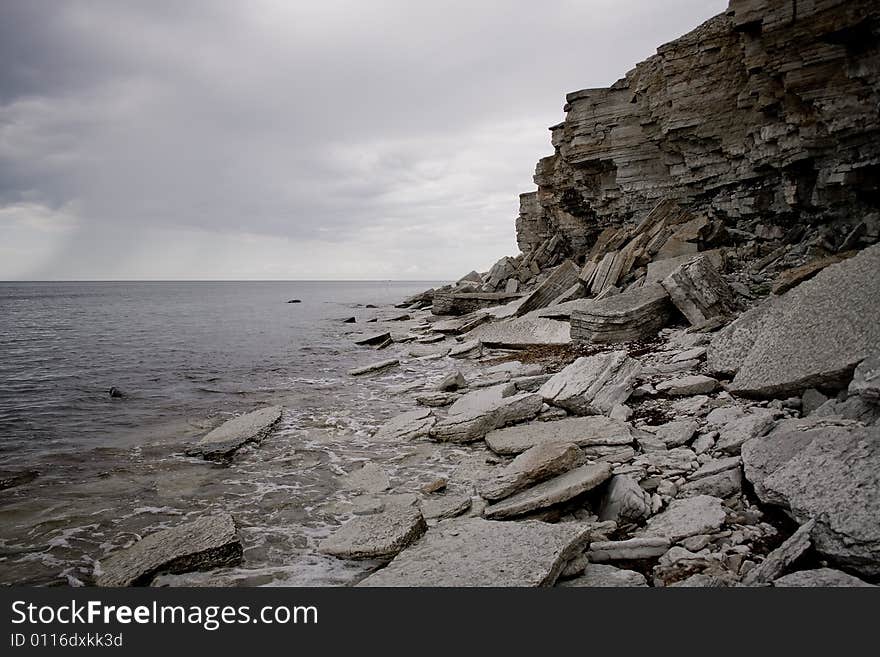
398, 133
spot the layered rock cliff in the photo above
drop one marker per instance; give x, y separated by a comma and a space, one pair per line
763, 119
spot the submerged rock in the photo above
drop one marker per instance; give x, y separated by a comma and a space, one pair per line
374, 367
406, 426
230, 436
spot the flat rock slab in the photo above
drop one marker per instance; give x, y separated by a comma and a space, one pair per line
828, 470
822, 577
515, 333
635, 314
816, 333
633, 549
407, 426
589, 431
675, 434
482, 398
593, 385
469, 349
701, 514
695, 384
373, 339
230, 436
203, 544
754, 424
369, 478
553, 491
599, 575
374, 367
473, 425
532, 466
625, 501
377, 536
478, 552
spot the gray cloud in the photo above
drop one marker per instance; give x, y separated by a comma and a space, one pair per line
274, 139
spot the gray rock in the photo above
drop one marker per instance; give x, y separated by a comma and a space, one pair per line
445, 506
373, 339
452, 381
473, 425
675, 434
633, 549
816, 333
477, 552
206, 543
700, 292
604, 576
437, 399
716, 466
586, 431
230, 436
369, 478
827, 470
695, 353
376, 536
553, 491
512, 286
701, 514
625, 501
593, 385
482, 398
532, 466
781, 558
521, 332
374, 367
820, 577
562, 278
731, 345
866, 380
636, 314
680, 460
721, 485
694, 384
811, 400
754, 424
406, 426
469, 349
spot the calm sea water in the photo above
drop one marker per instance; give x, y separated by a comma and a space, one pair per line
186, 355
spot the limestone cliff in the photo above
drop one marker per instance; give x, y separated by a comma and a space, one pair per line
764, 118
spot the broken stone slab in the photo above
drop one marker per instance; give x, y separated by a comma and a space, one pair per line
660, 269
679, 460
593, 385
636, 314
633, 549
820, 577
522, 332
866, 380
675, 434
694, 384
589, 431
825, 469
532, 466
469, 349
373, 339
369, 478
437, 399
446, 506
463, 303
731, 345
512, 286
562, 278
452, 381
695, 353
816, 333
721, 485
206, 543
407, 426
757, 422
599, 575
475, 424
552, 491
701, 514
374, 367
233, 434
625, 501
482, 398
781, 558
715, 466
793, 277
700, 292
376, 536
478, 552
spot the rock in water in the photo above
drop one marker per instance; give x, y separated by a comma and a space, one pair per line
406, 426
206, 543
593, 385
477, 552
230, 436
816, 333
377, 536
636, 314
374, 367
373, 339
699, 292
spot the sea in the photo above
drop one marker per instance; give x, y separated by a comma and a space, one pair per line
97, 472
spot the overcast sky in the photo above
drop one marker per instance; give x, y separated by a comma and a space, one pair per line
285, 139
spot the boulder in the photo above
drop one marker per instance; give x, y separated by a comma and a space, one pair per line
376, 536
406, 426
441, 507
462, 303
589, 431
635, 314
701, 514
700, 292
599, 575
593, 385
206, 543
482, 398
478, 552
374, 367
552, 491
731, 345
532, 466
828, 470
721, 485
820, 577
475, 424
562, 278
660, 269
229, 437
816, 333
625, 501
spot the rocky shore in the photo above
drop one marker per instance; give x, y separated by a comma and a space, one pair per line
677, 382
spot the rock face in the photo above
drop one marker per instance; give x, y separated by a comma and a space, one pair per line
767, 110
633, 315
477, 552
593, 385
377, 536
226, 439
825, 470
209, 542
816, 333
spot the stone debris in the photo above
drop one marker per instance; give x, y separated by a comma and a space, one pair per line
633, 549
229, 437
866, 380
469, 349
675, 434
372, 368
377, 536
593, 385
452, 381
754, 424
206, 543
781, 558
478, 552
463, 303
562, 278
373, 339
632, 315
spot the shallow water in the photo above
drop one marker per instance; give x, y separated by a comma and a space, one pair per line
187, 356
